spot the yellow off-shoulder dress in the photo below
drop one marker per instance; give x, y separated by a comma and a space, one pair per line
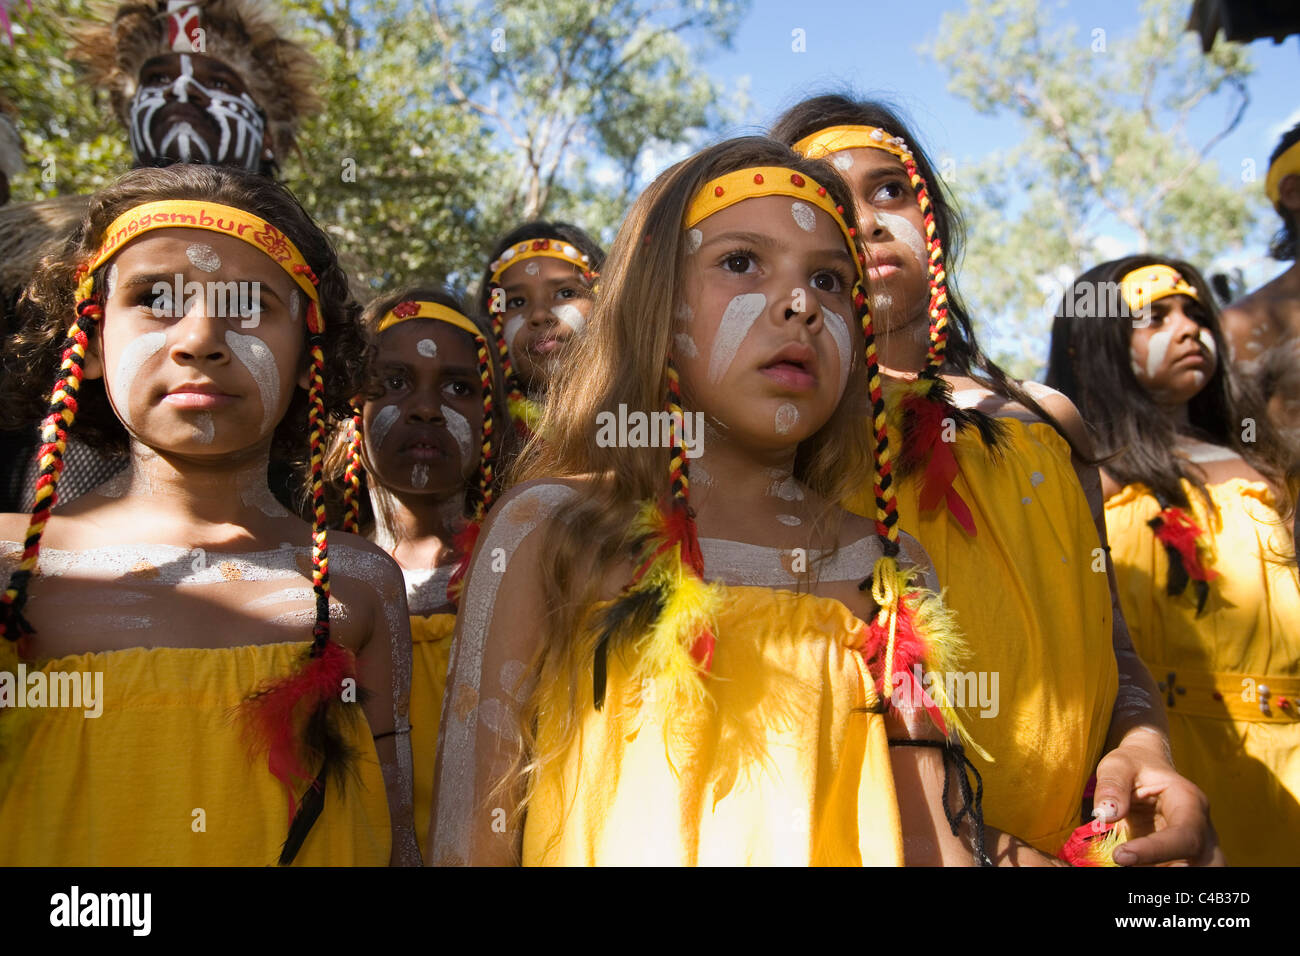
782, 765
163, 775
1230, 677
1033, 602
431, 647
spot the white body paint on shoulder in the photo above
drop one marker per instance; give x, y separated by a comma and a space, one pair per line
257, 358
737, 320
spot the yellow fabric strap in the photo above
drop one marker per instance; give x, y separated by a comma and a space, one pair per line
758, 181
426, 310
1255, 698
190, 214
1288, 164
833, 139
532, 248
1143, 286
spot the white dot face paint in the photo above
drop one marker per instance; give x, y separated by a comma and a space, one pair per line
460, 430
570, 315
787, 416
785, 487
737, 320
693, 239
685, 314
685, 345
420, 476
380, 426
257, 358
513, 325
532, 268
900, 228
205, 428
129, 364
426, 347
804, 216
110, 281
1157, 348
295, 304
839, 330
203, 257
789, 520
842, 160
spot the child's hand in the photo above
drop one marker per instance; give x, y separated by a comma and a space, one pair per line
1168, 815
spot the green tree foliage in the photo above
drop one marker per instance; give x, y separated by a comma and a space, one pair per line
443, 126
1106, 151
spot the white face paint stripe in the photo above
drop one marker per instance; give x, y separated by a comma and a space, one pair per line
737, 320
458, 425
426, 347
693, 239
380, 425
419, 475
260, 362
570, 315
203, 256
1207, 339
111, 281
1157, 348
900, 228
839, 330
685, 345
513, 325
129, 364
787, 416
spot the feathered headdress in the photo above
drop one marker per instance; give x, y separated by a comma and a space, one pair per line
281, 76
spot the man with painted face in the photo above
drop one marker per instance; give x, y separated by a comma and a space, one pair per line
193, 81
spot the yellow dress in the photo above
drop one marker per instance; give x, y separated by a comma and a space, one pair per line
1036, 617
431, 647
1231, 677
783, 767
163, 777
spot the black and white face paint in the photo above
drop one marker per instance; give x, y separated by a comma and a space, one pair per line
237, 125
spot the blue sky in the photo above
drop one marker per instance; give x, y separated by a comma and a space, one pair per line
875, 46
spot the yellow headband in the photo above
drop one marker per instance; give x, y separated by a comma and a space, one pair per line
833, 139
1145, 285
531, 248
189, 214
758, 181
426, 310
1288, 164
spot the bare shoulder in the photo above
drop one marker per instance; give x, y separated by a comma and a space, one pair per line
1065, 412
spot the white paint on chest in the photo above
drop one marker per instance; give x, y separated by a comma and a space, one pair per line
737, 320
257, 358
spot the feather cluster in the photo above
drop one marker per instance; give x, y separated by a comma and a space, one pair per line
1180, 536
667, 615
1094, 844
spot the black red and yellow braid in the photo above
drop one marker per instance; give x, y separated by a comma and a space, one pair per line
938, 273
352, 478
14, 627
465, 541
523, 411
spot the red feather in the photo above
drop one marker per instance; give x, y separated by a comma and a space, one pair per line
1179, 532
924, 443
277, 713
463, 544
1076, 850
702, 649
909, 653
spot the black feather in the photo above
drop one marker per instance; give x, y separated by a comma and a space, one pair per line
313, 802
1202, 589
633, 613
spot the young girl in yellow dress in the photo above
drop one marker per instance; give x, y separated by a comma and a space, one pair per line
200, 318
1196, 511
428, 466
996, 483
538, 290
674, 647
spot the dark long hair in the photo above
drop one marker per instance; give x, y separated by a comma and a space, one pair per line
1283, 246
962, 352
1089, 361
541, 229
